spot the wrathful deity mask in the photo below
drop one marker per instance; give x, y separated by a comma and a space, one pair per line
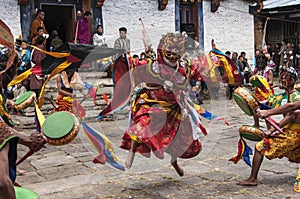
172, 48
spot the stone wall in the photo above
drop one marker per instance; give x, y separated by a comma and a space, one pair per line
231, 26
127, 13
10, 14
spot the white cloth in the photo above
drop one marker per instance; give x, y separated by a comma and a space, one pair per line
99, 40
18, 92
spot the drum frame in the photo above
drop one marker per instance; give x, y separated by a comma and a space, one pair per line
251, 133
246, 100
69, 137
27, 102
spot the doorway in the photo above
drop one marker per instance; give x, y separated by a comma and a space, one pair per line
187, 22
61, 18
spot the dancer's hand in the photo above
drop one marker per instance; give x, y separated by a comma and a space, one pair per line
271, 133
37, 141
34, 142
262, 113
267, 133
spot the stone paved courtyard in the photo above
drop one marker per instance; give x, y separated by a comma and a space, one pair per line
67, 172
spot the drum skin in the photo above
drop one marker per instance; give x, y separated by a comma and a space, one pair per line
25, 100
60, 128
246, 100
251, 133
24, 193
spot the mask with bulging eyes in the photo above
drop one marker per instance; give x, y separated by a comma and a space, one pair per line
172, 48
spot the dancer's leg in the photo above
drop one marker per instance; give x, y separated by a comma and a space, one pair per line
252, 180
130, 157
176, 166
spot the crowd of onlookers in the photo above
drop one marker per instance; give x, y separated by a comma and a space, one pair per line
40, 38
280, 54
284, 53
266, 62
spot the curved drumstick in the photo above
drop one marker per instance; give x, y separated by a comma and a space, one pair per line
39, 122
29, 153
270, 121
50, 100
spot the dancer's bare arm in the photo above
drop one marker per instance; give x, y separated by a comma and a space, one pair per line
287, 108
6, 186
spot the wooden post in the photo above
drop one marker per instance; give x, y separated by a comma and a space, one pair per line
258, 26
258, 31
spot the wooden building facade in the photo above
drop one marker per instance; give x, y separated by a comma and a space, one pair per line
283, 22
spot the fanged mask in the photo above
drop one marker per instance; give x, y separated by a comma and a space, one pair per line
172, 48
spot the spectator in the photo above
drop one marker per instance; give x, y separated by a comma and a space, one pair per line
239, 65
82, 31
38, 22
246, 68
282, 52
257, 52
297, 57
25, 58
194, 94
36, 81
237, 62
40, 32
122, 42
143, 59
276, 58
37, 55
99, 38
56, 42
245, 60
135, 60
289, 55
228, 54
263, 69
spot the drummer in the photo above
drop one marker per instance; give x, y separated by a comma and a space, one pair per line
273, 146
8, 154
287, 79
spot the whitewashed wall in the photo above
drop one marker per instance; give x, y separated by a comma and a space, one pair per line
10, 14
231, 26
127, 13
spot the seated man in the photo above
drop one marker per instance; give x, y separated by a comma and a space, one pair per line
8, 154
